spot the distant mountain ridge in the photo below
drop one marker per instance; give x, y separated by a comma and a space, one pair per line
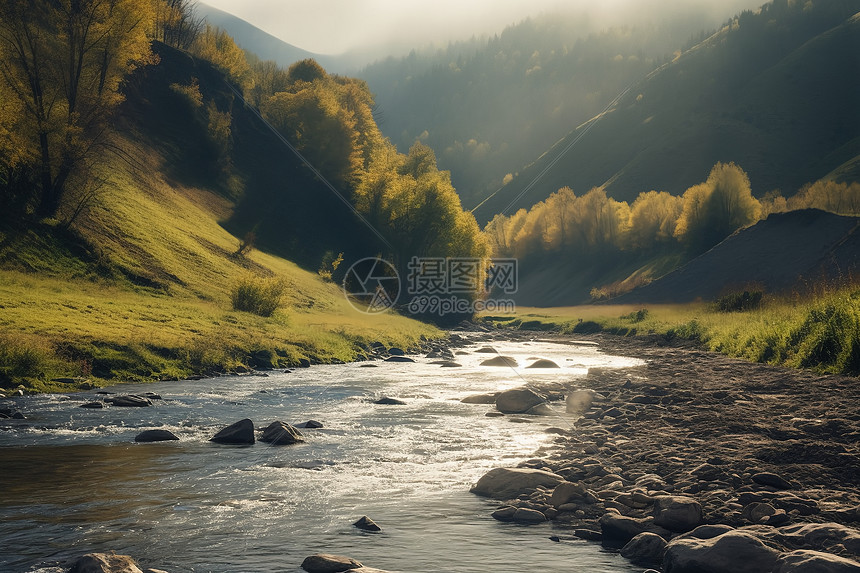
774, 91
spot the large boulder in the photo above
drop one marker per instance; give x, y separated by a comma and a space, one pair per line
104, 563
822, 536
281, 434
806, 561
645, 549
241, 432
677, 512
129, 401
327, 563
732, 552
518, 400
155, 436
507, 483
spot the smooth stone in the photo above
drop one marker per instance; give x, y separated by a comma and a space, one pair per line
281, 434
518, 400
771, 479
541, 410
543, 363
155, 436
386, 401
94, 405
500, 361
327, 563
508, 483
367, 524
312, 424
526, 515
732, 552
677, 513
129, 401
710, 531
504, 513
104, 563
565, 492
399, 359
622, 528
480, 399
449, 364
486, 350
241, 432
807, 561
394, 351
645, 548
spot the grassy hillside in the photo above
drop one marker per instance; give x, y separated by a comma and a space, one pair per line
139, 288
773, 91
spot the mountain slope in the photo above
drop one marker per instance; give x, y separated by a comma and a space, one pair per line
786, 251
774, 91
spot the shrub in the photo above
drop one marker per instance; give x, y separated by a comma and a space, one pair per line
258, 295
636, 316
739, 301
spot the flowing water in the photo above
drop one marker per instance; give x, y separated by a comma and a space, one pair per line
73, 481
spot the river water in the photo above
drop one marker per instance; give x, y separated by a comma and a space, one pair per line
73, 481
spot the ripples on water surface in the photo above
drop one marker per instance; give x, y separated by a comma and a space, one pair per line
73, 481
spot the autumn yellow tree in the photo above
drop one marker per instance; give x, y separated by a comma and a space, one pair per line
219, 48
653, 216
716, 208
64, 61
827, 195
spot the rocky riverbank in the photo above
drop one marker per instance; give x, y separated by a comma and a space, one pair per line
699, 462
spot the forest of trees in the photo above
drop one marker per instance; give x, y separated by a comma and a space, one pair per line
596, 229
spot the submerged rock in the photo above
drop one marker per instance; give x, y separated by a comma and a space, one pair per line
386, 401
129, 401
399, 359
500, 361
94, 405
241, 432
518, 400
281, 434
327, 563
367, 524
311, 424
543, 363
155, 436
480, 399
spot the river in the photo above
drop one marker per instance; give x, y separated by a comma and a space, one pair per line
73, 480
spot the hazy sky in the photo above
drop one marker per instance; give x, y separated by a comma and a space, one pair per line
335, 26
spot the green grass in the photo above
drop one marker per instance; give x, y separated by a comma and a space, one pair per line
141, 290
819, 331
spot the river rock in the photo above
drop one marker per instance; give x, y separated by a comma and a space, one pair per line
94, 405
541, 410
645, 549
155, 436
394, 351
565, 492
806, 561
579, 401
622, 528
517, 400
104, 563
367, 524
327, 563
500, 361
505, 513
386, 401
480, 399
528, 516
280, 434
543, 363
311, 424
822, 536
486, 350
732, 552
710, 531
507, 483
399, 359
129, 401
771, 479
677, 512
241, 432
